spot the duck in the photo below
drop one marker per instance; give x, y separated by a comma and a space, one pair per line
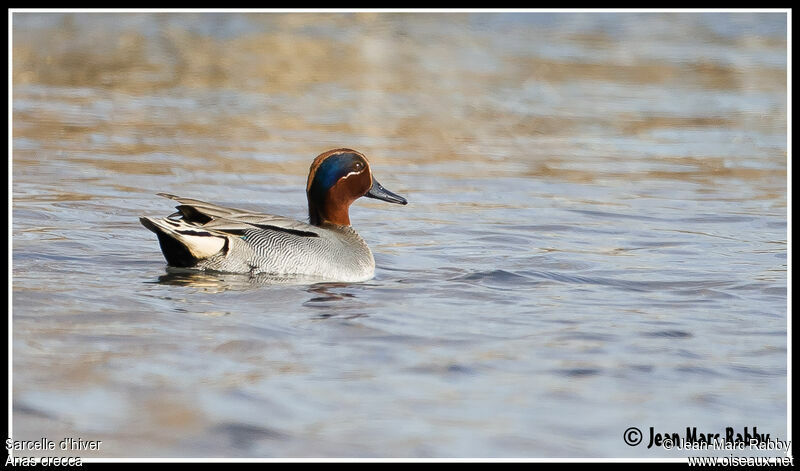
205, 236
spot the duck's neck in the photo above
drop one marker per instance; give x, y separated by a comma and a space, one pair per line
329, 212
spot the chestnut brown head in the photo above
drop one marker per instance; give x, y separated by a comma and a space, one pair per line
336, 179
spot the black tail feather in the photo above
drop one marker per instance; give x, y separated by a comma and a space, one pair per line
176, 253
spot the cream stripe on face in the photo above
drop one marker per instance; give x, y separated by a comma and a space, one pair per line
353, 173
366, 167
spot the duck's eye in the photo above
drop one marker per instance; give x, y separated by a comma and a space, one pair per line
359, 165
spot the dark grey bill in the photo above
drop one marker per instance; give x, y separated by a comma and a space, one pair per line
380, 193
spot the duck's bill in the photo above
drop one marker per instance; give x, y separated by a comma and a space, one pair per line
380, 193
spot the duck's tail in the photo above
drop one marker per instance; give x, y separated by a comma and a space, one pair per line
183, 244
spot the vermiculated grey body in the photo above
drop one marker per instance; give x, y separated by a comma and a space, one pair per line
210, 237
335, 254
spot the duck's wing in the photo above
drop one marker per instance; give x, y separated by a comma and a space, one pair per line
234, 221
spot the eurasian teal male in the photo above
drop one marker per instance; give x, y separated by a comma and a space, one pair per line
209, 237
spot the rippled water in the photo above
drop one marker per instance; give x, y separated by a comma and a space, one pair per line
596, 235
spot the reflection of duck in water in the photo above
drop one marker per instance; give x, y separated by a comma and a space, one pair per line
221, 281
210, 237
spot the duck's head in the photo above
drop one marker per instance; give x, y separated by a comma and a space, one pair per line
336, 179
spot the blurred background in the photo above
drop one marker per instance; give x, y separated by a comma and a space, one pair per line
596, 234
